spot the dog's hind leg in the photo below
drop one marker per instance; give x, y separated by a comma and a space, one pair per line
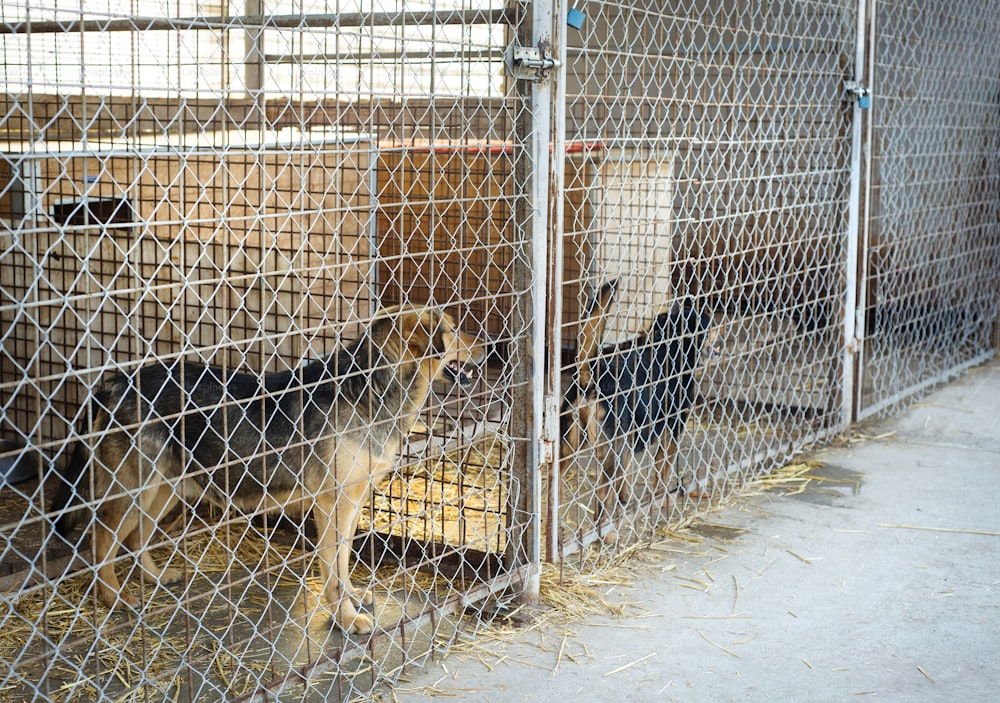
115, 474
622, 486
131, 520
592, 333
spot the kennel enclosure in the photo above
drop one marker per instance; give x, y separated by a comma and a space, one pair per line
246, 184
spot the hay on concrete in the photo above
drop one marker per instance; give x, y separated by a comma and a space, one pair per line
459, 498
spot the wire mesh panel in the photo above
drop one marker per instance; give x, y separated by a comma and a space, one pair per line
704, 239
270, 409
931, 296
261, 283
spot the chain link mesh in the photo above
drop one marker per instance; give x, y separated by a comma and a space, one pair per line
713, 196
197, 194
932, 246
194, 195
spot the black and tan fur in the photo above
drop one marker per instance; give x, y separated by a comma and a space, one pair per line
634, 396
315, 437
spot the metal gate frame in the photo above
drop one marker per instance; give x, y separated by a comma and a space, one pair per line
554, 235
477, 591
939, 35
537, 362
861, 93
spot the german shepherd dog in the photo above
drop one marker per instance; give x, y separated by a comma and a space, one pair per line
637, 394
315, 437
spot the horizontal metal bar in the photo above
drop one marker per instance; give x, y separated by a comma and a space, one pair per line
310, 21
775, 455
693, 50
329, 663
928, 383
408, 55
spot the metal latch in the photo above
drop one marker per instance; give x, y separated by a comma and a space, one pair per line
550, 429
528, 63
860, 92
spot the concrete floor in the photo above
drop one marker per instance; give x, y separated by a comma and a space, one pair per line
880, 581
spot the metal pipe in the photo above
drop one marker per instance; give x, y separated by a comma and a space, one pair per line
853, 220
260, 21
410, 55
864, 242
533, 170
541, 118
253, 57
553, 389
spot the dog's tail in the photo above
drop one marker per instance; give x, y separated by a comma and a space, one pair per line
592, 333
67, 493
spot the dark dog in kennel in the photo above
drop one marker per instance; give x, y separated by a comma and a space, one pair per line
634, 395
316, 437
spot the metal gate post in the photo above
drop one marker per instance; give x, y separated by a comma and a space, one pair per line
852, 311
530, 65
553, 387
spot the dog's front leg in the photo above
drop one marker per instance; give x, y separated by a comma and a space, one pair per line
358, 595
156, 504
664, 463
609, 488
114, 524
336, 514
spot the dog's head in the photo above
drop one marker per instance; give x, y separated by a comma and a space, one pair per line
430, 335
692, 328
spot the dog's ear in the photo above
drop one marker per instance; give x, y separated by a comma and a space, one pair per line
423, 331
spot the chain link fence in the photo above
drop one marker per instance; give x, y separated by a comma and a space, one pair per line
209, 213
715, 198
205, 208
930, 294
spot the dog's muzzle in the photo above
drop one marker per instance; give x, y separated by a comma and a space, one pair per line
459, 373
